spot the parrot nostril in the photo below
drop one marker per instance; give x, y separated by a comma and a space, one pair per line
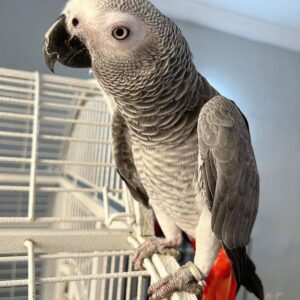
75, 22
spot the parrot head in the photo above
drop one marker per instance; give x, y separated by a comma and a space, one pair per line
123, 41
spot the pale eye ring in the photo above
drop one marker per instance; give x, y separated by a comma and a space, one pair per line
120, 33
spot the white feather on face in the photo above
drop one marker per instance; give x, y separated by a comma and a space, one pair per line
95, 26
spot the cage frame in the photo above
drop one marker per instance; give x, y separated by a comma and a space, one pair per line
32, 236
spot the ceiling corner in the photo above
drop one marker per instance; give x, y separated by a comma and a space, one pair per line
231, 22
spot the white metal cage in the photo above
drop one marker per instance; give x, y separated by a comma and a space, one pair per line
68, 226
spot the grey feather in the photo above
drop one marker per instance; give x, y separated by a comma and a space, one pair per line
124, 160
229, 171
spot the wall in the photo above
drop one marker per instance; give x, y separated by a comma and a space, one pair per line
262, 80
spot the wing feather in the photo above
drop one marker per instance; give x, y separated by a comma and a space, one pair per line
229, 171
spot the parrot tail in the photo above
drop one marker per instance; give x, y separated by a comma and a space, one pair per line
244, 271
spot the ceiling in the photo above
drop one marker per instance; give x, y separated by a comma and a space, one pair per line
268, 21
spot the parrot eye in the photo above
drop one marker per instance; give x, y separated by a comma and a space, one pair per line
120, 33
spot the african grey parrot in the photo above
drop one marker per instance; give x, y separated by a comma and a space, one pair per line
182, 148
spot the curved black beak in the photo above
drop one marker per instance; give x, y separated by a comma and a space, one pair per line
69, 51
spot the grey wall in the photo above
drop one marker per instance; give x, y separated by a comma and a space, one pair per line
264, 82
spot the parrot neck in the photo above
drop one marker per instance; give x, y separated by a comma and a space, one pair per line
169, 117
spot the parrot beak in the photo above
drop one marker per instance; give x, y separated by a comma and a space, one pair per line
69, 51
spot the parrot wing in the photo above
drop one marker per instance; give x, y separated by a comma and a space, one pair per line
231, 181
229, 171
124, 161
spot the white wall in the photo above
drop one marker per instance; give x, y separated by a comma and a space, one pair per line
265, 82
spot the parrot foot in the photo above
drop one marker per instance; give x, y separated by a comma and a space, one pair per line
181, 281
156, 245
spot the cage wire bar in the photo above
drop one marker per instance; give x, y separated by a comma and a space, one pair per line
63, 207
